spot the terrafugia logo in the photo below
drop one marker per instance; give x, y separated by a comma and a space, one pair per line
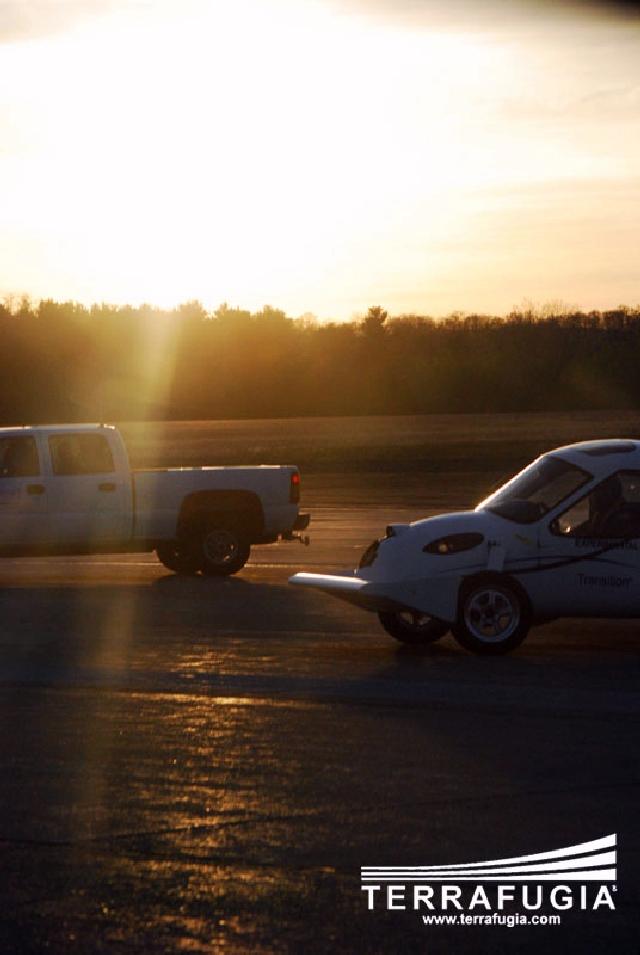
586, 863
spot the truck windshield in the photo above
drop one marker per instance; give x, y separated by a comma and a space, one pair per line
537, 490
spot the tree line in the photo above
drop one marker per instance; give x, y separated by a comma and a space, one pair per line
63, 361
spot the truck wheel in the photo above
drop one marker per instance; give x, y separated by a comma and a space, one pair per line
493, 617
416, 629
177, 559
223, 547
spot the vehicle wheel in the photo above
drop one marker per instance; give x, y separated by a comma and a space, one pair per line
416, 629
493, 618
177, 558
223, 548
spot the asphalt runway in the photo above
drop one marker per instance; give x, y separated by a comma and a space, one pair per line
204, 765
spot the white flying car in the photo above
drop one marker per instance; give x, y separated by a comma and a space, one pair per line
560, 539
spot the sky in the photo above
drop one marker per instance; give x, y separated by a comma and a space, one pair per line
321, 156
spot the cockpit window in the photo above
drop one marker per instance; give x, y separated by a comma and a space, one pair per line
610, 510
537, 490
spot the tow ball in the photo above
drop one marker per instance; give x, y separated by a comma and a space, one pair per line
303, 538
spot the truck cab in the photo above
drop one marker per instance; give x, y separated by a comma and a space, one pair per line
70, 489
63, 485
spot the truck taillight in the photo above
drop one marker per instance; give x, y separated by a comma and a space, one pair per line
295, 487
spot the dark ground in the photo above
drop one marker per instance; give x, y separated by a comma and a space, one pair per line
204, 765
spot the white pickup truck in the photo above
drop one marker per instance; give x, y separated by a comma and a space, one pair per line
69, 489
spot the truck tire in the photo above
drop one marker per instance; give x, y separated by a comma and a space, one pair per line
177, 558
223, 546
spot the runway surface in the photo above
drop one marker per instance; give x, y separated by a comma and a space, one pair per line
192, 764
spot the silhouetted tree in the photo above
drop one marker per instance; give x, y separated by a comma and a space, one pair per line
66, 362
374, 320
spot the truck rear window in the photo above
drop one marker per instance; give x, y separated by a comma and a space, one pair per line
80, 454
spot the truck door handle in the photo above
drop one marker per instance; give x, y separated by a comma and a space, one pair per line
107, 487
35, 489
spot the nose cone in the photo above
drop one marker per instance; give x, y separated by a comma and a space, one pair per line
421, 549
456, 523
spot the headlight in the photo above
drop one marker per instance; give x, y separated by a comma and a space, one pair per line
454, 543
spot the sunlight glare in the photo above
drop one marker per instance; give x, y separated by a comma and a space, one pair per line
282, 151
235, 145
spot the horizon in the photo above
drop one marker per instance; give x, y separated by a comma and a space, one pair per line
18, 305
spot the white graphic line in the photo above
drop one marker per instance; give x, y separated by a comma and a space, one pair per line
607, 842
600, 860
590, 875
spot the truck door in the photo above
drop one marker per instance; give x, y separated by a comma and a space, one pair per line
23, 501
592, 550
87, 493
